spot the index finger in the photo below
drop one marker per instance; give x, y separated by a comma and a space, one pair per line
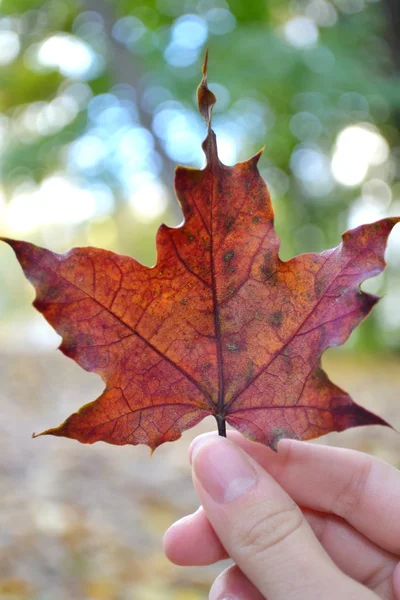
361, 489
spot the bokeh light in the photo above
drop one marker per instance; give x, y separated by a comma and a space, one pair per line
56, 201
357, 148
149, 202
9, 46
312, 167
72, 56
301, 32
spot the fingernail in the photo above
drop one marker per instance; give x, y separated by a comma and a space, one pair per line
223, 470
200, 440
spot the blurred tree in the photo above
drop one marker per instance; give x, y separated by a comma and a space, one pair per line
97, 105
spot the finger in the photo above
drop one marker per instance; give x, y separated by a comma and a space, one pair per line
261, 527
192, 541
363, 490
353, 553
233, 584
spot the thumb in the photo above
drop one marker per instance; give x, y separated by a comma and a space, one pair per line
262, 529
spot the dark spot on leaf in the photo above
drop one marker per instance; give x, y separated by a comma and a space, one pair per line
268, 274
229, 255
233, 347
205, 366
52, 292
266, 270
276, 319
287, 363
319, 286
256, 220
229, 223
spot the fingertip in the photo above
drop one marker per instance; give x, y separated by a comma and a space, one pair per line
172, 541
261, 453
199, 441
232, 584
192, 541
286, 443
289, 449
264, 455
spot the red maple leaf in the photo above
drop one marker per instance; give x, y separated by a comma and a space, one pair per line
219, 326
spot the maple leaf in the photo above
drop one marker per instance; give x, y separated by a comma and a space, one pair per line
219, 326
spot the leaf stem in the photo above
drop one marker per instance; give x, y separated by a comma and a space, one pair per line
221, 425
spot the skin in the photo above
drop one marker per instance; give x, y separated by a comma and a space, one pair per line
310, 522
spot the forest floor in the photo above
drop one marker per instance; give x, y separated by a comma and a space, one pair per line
86, 522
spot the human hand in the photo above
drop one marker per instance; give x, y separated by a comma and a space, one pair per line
343, 543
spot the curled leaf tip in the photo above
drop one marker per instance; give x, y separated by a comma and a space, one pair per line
205, 63
205, 98
47, 432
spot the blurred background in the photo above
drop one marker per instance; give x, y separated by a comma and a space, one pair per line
97, 106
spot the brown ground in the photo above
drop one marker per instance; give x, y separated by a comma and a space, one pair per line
86, 522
